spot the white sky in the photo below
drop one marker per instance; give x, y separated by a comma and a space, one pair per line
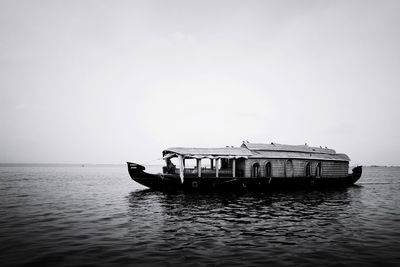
111, 81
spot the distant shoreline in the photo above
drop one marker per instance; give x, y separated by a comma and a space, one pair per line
82, 165
382, 166
59, 165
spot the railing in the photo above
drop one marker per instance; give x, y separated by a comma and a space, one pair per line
207, 172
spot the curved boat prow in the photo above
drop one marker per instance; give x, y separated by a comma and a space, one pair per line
154, 181
137, 171
357, 171
135, 168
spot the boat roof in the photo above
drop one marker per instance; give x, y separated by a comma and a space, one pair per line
288, 148
258, 150
299, 155
225, 152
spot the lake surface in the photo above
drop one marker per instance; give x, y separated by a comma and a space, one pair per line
97, 216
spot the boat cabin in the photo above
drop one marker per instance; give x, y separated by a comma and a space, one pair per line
256, 160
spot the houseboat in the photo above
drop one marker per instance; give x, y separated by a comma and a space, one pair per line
252, 166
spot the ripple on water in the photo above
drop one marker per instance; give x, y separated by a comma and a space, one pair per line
68, 216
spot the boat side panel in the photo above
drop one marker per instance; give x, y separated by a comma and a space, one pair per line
173, 182
331, 169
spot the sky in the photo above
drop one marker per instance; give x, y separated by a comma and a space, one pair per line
114, 81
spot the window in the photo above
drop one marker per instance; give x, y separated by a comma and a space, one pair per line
318, 171
268, 170
256, 170
308, 169
289, 168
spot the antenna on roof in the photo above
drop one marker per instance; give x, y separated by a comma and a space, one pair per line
272, 143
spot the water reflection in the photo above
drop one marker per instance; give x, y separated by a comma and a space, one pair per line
296, 203
209, 225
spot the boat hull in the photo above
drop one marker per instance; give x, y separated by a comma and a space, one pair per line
168, 182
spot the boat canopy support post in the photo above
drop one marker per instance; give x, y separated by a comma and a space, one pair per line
233, 167
181, 167
217, 167
199, 167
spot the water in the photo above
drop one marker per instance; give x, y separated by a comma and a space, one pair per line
97, 216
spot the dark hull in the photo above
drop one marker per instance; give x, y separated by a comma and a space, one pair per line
167, 182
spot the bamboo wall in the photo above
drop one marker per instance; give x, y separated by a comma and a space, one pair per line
330, 169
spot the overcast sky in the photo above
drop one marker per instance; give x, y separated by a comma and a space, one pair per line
112, 81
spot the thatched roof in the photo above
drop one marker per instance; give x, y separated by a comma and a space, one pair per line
225, 152
288, 148
299, 155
